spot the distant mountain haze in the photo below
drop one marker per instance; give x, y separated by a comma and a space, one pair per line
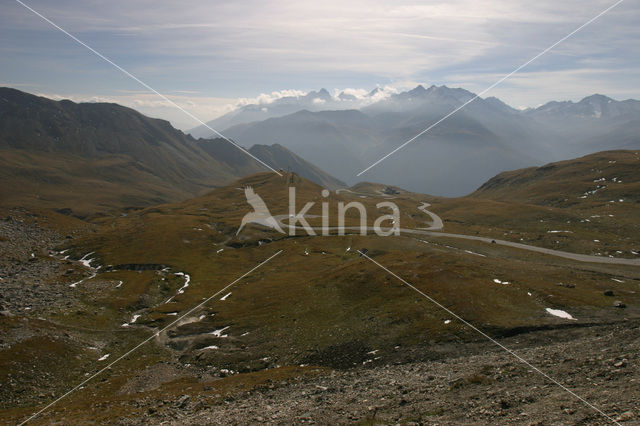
93, 157
484, 138
312, 101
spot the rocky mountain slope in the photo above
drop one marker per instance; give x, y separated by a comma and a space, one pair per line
96, 157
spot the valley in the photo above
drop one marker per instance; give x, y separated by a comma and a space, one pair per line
326, 213
320, 328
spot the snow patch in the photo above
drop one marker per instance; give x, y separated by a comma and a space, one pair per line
218, 333
472, 252
225, 296
103, 357
82, 280
560, 313
86, 262
187, 280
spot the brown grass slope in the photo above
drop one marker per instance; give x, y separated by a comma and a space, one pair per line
570, 183
94, 157
317, 303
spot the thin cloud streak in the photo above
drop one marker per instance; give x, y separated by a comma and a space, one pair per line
235, 51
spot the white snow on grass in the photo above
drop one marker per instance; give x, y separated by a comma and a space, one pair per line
82, 280
218, 333
225, 296
447, 321
210, 347
119, 284
473, 252
559, 232
86, 262
617, 280
173, 314
187, 279
219, 251
244, 334
560, 313
528, 293
497, 281
103, 357
134, 319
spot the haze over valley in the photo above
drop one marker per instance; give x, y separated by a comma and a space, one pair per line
485, 138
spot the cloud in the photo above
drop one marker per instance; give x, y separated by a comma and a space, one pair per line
392, 40
267, 98
523, 89
212, 57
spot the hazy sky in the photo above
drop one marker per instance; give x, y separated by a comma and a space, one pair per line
206, 55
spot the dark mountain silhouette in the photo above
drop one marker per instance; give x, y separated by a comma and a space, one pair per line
98, 156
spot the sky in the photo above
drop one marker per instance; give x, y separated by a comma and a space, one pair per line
209, 57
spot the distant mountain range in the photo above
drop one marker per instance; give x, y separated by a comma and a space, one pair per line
94, 157
484, 138
312, 101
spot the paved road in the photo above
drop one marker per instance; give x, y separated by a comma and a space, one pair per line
559, 253
438, 225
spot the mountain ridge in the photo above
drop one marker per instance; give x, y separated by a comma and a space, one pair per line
99, 156
484, 138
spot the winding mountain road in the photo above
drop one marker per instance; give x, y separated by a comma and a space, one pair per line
437, 225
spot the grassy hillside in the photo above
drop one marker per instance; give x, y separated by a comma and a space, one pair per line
587, 182
317, 306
